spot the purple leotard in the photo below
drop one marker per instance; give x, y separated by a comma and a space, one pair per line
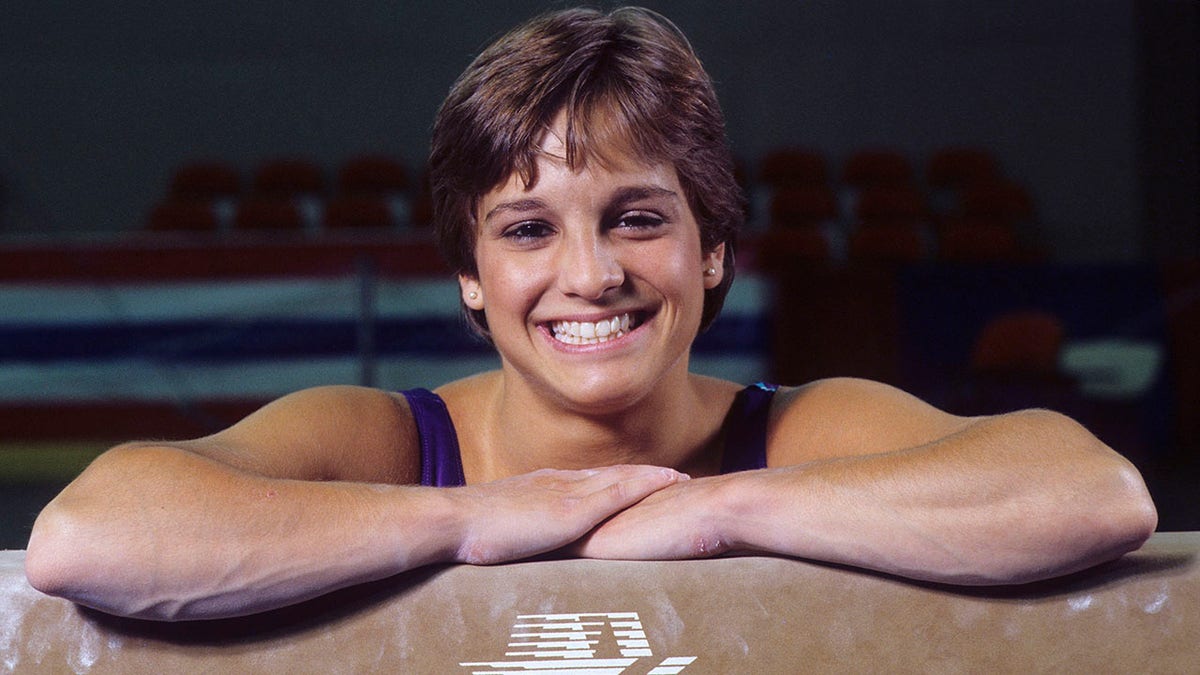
441, 464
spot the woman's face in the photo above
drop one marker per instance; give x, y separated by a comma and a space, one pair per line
593, 280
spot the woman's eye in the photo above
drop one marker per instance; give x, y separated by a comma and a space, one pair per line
639, 220
527, 231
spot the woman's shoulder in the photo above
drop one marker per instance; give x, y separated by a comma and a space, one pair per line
850, 395
336, 432
845, 416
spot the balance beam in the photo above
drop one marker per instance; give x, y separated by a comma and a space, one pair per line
747, 614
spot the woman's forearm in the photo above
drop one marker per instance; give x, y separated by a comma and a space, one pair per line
163, 533
160, 532
1008, 499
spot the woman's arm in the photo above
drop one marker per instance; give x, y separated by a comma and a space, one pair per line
865, 475
303, 497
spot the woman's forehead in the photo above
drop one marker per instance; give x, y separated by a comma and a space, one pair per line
555, 178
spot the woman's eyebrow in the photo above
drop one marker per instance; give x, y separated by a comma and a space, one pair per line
620, 196
517, 205
634, 193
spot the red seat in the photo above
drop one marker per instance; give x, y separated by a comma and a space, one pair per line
267, 213
802, 205
977, 240
893, 243
955, 167
784, 248
289, 178
358, 211
793, 166
877, 167
885, 204
205, 181
372, 175
422, 205
182, 215
999, 199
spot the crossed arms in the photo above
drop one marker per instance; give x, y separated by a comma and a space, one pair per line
279, 508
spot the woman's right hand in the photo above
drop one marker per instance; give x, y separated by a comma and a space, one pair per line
533, 513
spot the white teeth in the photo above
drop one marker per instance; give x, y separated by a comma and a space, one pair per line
588, 333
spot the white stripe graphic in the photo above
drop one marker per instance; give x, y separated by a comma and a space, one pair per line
562, 649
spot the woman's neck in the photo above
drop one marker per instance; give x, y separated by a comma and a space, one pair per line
515, 429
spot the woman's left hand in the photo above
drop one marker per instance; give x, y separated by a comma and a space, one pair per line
686, 520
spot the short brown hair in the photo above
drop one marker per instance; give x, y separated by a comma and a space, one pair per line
627, 79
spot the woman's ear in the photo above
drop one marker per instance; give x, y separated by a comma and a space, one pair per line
472, 295
714, 266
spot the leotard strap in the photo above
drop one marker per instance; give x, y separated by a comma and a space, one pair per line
746, 429
441, 462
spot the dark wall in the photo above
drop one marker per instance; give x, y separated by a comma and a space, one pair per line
99, 104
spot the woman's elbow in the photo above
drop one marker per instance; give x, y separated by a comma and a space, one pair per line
51, 552
1136, 517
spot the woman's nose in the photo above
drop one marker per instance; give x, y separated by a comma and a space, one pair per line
589, 268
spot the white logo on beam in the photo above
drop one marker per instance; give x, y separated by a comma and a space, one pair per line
567, 644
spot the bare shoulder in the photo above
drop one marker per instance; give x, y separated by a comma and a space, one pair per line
324, 433
842, 417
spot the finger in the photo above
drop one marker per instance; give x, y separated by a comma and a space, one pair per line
615, 488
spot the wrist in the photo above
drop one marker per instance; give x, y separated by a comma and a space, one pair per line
425, 524
744, 516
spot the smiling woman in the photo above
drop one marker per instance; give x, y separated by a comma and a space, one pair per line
584, 195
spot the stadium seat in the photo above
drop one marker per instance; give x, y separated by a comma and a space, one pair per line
182, 215
888, 243
955, 167
887, 204
793, 166
1020, 343
972, 240
358, 212
268, 213
374, 175
802, 205
1000, 199
289, 178
866, 168
207, 180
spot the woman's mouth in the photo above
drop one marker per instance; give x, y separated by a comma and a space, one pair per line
593, 333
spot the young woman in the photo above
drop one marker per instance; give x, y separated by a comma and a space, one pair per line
584, 191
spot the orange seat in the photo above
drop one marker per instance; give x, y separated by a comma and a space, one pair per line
1025, 343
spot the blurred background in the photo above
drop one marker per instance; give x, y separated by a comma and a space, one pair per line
204, 206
